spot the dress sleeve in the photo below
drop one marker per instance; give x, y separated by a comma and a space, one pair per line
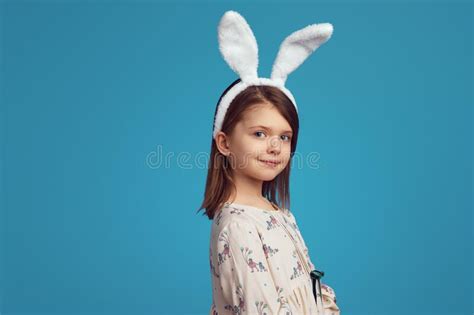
245, 279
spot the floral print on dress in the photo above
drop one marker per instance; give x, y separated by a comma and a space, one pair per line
269, 251
297, 268
240, 307
226, 251
237, 210
253, 265
272, 223
283, 301
262, 308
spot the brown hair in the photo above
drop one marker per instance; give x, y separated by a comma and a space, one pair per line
219, 181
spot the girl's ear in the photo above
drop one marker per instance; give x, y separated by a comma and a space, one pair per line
297, 47
222, 143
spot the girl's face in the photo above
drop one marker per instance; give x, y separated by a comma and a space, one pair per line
260, 144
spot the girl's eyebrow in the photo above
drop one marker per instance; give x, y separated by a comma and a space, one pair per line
268, 128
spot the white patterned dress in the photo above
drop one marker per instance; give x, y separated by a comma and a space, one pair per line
256, 267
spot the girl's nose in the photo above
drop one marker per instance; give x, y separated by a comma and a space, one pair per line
274, 145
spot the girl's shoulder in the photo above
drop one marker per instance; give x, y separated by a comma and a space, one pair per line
245, 215
229, 213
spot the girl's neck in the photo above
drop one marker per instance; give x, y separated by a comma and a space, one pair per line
252, 200
249, 192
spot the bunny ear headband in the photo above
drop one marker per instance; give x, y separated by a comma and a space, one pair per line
238, 46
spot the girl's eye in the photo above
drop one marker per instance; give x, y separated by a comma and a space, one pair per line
284, 137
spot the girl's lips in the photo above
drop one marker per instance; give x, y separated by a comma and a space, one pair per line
270, 163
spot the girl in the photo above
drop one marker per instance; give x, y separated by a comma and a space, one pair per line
258, 259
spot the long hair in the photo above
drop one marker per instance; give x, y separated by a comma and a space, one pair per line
219, 183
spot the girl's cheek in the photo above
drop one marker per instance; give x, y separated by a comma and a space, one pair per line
260, 148
249, 142
257, 143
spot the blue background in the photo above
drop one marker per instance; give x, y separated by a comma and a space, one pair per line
94, 91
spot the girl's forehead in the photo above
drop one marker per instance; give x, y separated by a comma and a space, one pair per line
263, 114
269, 122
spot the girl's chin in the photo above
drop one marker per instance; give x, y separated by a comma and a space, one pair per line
267, 174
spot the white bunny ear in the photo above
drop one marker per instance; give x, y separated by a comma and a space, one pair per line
297, 47
238, 45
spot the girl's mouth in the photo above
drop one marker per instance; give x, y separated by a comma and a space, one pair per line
270, 163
